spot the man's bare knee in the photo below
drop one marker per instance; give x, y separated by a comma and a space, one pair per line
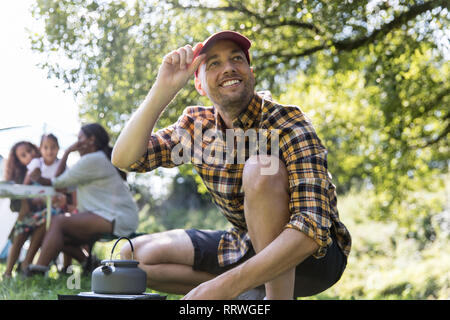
255, 179
127, 253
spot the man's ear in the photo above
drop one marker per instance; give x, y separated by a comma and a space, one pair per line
253, 71
198, 86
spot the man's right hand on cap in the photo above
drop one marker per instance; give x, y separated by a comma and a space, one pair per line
178, 67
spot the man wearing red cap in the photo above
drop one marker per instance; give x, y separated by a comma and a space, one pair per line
286, 238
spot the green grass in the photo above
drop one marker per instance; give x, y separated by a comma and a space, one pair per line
38, 287
47, 288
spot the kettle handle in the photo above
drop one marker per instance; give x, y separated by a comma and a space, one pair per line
131, 244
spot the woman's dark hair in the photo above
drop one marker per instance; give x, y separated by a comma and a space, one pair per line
49, 136
14, 169
101, 141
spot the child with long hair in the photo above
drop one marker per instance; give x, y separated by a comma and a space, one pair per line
20, 156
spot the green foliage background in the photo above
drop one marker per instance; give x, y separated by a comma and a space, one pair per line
372, 76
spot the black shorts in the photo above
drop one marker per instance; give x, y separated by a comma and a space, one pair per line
312, 276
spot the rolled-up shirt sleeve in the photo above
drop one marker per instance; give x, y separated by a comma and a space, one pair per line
158, 153
309, 183
162, 143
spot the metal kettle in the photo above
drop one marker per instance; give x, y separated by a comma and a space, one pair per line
119, 276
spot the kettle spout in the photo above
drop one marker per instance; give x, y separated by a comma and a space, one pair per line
106, 270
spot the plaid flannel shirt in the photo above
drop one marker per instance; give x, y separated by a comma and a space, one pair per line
313, 203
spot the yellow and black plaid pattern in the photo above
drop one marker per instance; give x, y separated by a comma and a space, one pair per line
313, 204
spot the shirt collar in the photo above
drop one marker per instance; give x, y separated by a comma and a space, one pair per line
247, 119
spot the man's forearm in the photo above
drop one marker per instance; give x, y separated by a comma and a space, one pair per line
132, 141
289, 249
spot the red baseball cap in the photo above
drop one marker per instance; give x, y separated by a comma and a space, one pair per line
242, 41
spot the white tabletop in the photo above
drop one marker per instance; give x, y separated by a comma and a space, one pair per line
21, 191
18, 191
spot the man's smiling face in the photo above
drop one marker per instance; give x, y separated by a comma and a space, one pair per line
226, 77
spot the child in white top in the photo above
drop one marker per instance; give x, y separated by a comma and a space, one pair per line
48, 162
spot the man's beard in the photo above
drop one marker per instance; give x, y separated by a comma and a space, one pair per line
235, 104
